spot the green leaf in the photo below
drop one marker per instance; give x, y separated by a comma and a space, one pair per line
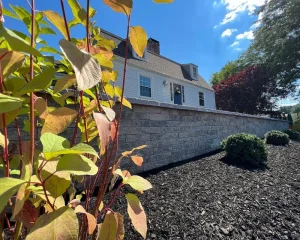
46, 30
9, 104
9, 116
138, 40
60, 99
59, 182
64, 83
38, 83
57, 202
87, 70
13, 84
8, 13
8, 187
108, 229
17, 43
49, 50
54, 146
77, 165
60, 224
57, 21
79, 13
2, 140
123, 6
138, 183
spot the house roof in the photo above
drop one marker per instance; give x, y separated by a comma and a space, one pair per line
156, 63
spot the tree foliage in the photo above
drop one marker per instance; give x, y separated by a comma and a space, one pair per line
227, 71
248, 91
277, 43
40, 179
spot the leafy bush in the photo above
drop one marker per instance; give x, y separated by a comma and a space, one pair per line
290, 119
277, 138
297, 124
292, 134
245, 148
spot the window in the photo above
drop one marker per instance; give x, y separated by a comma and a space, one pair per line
145, 86
201, 99
183, 97
195, 72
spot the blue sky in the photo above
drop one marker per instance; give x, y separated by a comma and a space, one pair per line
207, 33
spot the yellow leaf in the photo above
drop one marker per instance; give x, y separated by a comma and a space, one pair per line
103, 61
124, 6
138, 183
109, 227
120, 226
11, 62
101, 206
2, 140
137, 160
41, 106
127, 153
137, 214
57, 21
163, 1
109, 90
60, 99
58, 120
125, 102
64, 82
138, 40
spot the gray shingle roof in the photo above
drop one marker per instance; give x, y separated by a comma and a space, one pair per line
156, 63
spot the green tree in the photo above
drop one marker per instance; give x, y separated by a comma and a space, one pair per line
277, 43
296, 108
227, 71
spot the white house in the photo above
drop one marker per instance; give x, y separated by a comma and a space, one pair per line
155, 77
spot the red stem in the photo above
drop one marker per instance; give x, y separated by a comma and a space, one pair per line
31, 78
20, 144
65, 19
106, 165
5, 153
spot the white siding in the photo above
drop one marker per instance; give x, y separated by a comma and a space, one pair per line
161, 92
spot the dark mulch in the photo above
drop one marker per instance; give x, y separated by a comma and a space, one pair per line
213, 199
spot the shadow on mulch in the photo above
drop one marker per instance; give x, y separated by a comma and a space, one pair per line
243, 165
177, 164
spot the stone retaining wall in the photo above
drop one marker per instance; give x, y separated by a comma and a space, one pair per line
173, 133
176, 133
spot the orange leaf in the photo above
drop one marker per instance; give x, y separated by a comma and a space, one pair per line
28, 215
137, 214
104, 127
137, 160
41, 106
92, 222
58, 120
120, 226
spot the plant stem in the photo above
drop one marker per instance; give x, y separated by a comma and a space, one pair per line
32, 123
65, 19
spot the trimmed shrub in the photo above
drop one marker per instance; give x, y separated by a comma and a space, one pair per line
297, 124
277, 138
245, 148
292, 134
290, 119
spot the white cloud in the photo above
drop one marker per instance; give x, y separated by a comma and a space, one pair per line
215, 26
258, 22
235, 44
238, 49
235, 7
228, 32
246, 35
215, 4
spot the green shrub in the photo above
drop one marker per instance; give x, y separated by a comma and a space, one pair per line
297, 124
290, 119
292, 134
276, 138
245, 148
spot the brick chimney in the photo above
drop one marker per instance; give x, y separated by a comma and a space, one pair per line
153, 46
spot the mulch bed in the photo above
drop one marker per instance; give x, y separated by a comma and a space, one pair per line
213, 199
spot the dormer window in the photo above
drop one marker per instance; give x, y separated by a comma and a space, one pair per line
194, 72
144, 58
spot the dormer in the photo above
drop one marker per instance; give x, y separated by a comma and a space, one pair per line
145, 56
192, 70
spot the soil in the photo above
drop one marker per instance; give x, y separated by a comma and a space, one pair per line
211, 198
